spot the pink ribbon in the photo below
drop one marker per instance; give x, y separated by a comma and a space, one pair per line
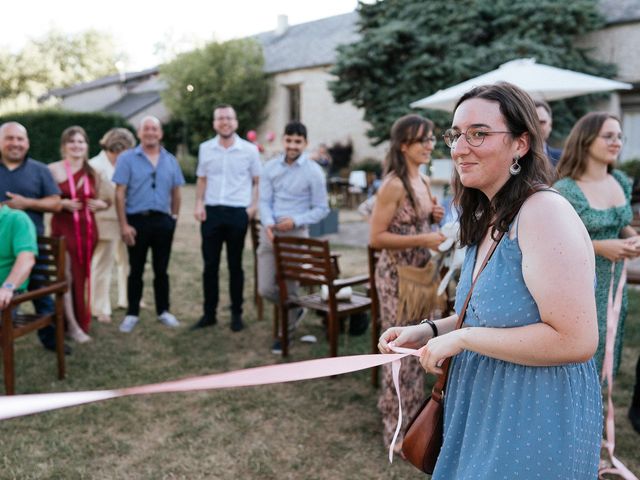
614, 305
20, 405
395, 374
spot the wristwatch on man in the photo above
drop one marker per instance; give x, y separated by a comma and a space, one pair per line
9, 286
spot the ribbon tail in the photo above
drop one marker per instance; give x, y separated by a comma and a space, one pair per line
614, 306
395, 371
21, 405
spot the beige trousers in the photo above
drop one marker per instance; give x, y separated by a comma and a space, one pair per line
107, 252
267, 283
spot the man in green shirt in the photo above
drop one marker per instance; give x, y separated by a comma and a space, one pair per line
18, 248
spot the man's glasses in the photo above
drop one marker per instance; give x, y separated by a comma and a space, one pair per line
612, 137
153, 179
426, 139
474, 136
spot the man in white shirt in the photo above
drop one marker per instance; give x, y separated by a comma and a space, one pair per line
226, 199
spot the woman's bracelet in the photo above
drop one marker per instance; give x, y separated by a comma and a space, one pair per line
432, 325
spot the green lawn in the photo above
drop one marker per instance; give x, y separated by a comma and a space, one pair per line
316, 429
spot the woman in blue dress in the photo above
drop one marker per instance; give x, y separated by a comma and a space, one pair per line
523, 398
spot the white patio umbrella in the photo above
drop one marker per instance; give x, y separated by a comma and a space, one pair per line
540, 81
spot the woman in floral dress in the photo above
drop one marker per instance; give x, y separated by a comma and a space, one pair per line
401, 227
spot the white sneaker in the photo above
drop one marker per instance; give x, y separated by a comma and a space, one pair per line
168, 319
128, 323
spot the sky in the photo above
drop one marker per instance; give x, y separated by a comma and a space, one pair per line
139, 25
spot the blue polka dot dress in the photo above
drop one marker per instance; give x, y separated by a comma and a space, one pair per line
507, 421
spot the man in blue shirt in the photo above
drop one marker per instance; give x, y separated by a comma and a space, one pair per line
148, 180
26, 184
226, 199
293, 195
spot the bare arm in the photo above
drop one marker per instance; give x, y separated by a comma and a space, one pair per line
127, 232
176, 199
51, 203
414, 336
104, 194
389, 197
558, 267
200, 212
628, 232
18, 274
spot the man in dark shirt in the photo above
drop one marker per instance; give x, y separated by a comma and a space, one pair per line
546, 124
26, 184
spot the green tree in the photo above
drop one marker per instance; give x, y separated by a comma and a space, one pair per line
54, 60
410, 48
229, 72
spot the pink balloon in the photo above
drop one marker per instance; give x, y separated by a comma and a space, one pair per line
271, 136
252, 136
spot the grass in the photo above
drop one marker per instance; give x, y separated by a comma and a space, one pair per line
316, 429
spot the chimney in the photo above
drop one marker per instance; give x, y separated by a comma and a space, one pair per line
283, 24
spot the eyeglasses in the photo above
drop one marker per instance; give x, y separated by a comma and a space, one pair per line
227, 118
474, 136
426, 139
612, 137
153, 179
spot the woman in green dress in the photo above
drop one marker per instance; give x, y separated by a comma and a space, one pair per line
601, 196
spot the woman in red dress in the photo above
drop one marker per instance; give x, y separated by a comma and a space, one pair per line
80, 187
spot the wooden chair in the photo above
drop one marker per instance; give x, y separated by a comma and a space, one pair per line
309, 262
372, 256
254, 228
49, 266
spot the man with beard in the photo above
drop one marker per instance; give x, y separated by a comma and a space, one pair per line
226, 199
293, 195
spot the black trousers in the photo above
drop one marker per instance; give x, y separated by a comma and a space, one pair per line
44, 305
154, 230
224, 225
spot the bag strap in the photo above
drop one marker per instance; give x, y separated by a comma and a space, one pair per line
437, 391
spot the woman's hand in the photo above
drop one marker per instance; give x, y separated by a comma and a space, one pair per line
439, 349
634, 242
432, 240
438, 212
617, 249
414, 336
96, 204
71, 205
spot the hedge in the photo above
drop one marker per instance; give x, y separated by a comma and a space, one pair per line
46, 126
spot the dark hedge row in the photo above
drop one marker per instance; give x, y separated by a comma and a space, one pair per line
46, 126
